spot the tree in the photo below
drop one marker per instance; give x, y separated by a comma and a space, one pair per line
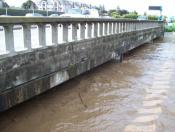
122, 12
29, 5
5, 5
102, 10
131, 15
153, 17
115, 15
112, 11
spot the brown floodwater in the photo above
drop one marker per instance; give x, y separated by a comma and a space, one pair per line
137, 95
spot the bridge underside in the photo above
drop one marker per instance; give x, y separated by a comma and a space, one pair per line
28, 74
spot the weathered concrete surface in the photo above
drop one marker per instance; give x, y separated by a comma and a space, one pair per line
28, 74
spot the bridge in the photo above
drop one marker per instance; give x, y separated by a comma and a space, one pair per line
85, 43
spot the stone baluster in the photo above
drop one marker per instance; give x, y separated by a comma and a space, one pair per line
9, 38
106, 28
131, 26
65, 32
142, 25
128, 26
27, 36
121, 27
124, 26
82, 30
95, 29
114, 27
117, 28
101, 29
42, 35
110, 28
89, 30
55, 33
74, 31
137, 24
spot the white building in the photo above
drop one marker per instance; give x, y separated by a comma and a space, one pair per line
50, 5
59, 5
1, 4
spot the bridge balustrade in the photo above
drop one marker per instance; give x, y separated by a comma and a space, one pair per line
71, 29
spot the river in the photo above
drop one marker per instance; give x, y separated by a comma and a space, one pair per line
137, 95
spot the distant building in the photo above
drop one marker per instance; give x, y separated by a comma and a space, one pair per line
60, 5
1, 3
50, 5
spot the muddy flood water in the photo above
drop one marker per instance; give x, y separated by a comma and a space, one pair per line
137, 95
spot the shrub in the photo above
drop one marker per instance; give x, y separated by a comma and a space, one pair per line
170, 28
131, 16
153, 17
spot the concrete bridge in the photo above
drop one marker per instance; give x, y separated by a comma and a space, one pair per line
86, 43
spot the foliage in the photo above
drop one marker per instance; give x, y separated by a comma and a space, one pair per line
29, 5
110, 12
170, 28
115, 15
122, 12
153, 17
5, 5
132, 15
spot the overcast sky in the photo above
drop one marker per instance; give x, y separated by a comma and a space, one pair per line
139, 5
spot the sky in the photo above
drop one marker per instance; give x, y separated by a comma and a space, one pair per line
140, 6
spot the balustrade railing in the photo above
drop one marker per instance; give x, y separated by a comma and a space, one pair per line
62, 30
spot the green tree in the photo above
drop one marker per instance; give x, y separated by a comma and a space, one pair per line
115, 15
29, 5
121, 12
131, 15
110, 12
